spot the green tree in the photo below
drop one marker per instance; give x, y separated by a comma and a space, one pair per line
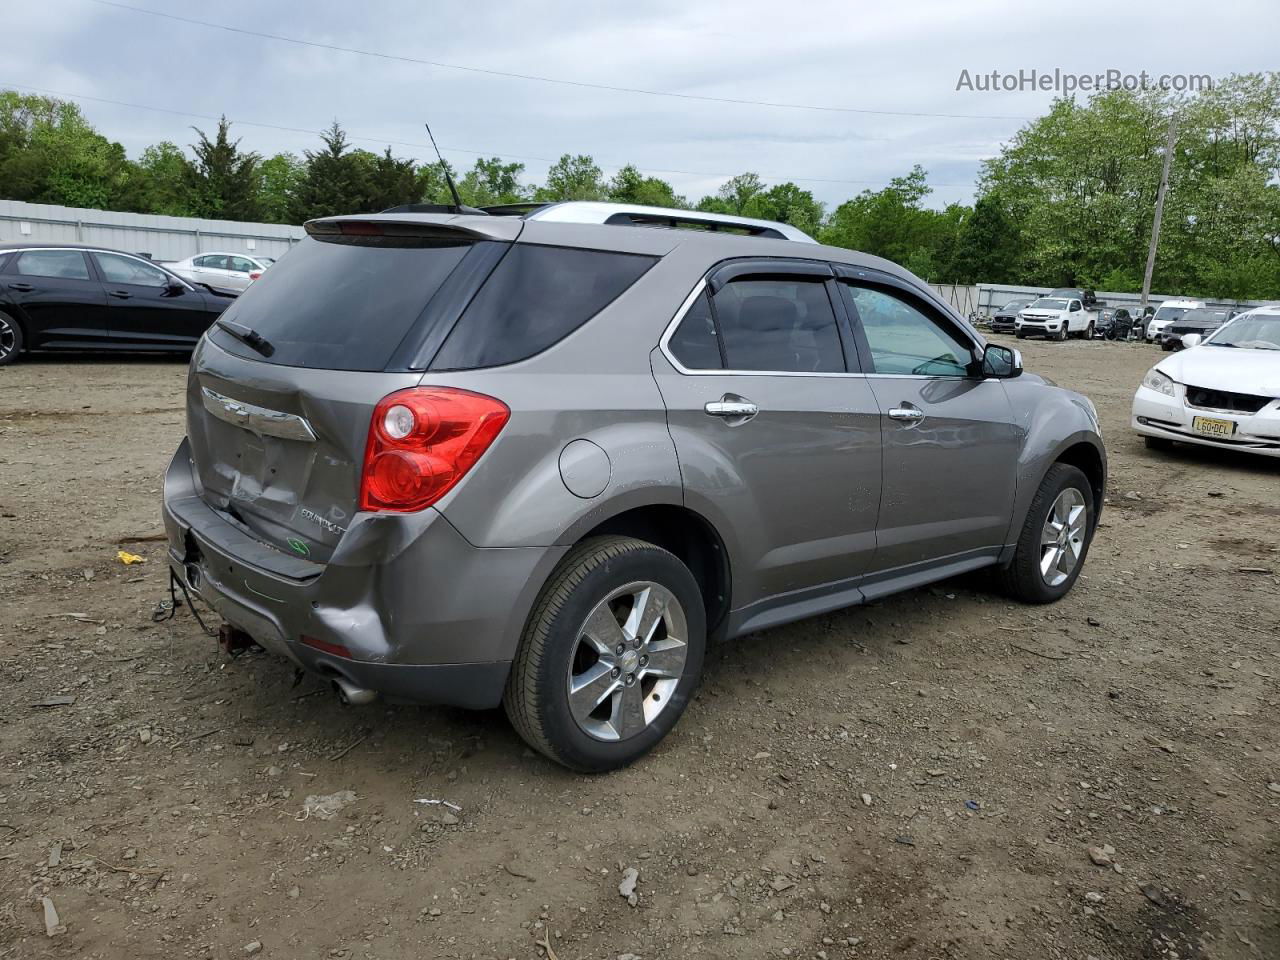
432, 186
573, 178
280, 176
490, 182
158, 182
223, 181
986, 248
629, 185
334, 182
50, 154
787, 203
734, 195
389, 181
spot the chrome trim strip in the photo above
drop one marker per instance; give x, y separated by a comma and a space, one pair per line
256, 419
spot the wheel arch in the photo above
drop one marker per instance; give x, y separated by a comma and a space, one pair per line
1086, 457
690, 537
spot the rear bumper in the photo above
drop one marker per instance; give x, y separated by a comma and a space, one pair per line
424, 615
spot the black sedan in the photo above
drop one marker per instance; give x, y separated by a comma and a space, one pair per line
1002, 320
1203, 322
75, 297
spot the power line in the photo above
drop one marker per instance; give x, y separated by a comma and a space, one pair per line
557, 80
411, 143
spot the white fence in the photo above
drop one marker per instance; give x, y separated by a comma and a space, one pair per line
161, 238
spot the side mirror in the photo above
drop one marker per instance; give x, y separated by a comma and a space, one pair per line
175, 287
1001, 362
1192, 340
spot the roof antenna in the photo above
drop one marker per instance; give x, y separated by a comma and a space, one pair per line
453, 190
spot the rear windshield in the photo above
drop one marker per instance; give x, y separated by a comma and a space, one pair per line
342, 303
535, 297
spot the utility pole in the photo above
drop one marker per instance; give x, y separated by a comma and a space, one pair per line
1155, 224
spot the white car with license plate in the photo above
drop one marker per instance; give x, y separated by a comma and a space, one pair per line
1223, 391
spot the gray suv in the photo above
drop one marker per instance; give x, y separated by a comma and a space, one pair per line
542, 458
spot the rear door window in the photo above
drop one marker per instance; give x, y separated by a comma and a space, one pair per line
534, 298
695, 343
782, 325
343, 303
64, 264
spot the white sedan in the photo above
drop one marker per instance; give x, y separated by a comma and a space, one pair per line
223, 272
1223, 392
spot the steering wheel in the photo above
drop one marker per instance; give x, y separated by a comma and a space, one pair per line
922, 369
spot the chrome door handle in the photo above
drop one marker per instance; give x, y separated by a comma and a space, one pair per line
909, 414
731, 407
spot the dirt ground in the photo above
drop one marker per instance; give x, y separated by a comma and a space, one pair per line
921, 778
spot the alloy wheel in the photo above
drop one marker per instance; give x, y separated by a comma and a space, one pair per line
8, 339
1062, 537
628, 661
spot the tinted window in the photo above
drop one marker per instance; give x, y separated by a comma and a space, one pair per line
342, 304
535, 297
779, 325
68, 264
694, 343
903, 339
118, 269
215, 263
241, 264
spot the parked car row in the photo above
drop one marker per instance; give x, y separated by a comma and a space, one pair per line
1067, 312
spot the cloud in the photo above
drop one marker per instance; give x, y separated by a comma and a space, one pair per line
903, 57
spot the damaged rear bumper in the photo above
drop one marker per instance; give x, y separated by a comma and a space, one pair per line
405, 606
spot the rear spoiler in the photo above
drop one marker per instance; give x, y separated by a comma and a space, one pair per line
421, 226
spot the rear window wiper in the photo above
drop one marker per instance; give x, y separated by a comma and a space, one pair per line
246, 335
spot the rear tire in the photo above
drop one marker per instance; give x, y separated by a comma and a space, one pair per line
1039, 573
568, 655
10, 339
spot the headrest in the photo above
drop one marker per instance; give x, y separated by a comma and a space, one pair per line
768, 313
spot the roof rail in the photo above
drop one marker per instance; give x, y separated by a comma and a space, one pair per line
631, 214
513, 209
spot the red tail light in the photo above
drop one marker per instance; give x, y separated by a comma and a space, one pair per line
255, 275
422, 441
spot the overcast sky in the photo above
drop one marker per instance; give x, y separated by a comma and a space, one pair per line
904, 56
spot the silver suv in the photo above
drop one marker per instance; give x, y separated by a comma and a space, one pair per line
541, 458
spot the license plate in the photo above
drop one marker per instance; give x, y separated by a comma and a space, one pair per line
1212, 427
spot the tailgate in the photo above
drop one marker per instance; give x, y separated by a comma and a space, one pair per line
279, 450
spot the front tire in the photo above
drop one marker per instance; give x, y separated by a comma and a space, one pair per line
1055, 538
10, 339
610, 657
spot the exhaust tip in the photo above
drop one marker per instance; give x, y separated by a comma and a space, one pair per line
351, 695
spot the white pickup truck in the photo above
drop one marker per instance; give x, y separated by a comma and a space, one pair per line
1056, 318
